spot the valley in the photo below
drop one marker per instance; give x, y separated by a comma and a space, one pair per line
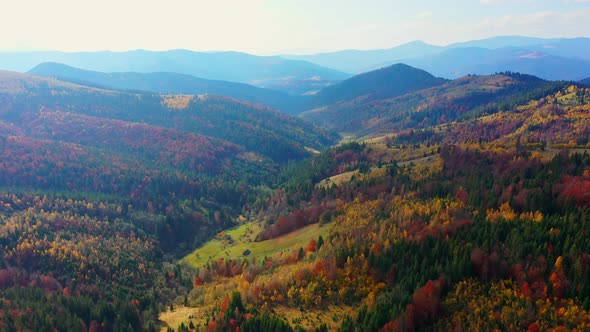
457, 195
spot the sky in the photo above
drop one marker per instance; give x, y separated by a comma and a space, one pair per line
278, 26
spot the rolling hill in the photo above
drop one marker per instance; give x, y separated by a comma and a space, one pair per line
557, 120
482, 207
262, 71
251, 126
102, 188
387, 82
94, 197
586, 80
169, 83
464, 97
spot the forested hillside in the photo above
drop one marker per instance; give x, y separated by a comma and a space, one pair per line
476, 224
470, 96
389, 82
252, 126
102, 190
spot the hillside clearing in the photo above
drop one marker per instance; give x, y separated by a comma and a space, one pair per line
243, 239
179, 315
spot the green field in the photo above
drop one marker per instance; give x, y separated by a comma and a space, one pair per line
243, 237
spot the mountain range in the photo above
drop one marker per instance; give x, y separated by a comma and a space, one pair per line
554, 59
550, 59
262, 71
173, 83
387, 82
367, 104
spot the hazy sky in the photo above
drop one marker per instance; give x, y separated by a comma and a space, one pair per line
276, 26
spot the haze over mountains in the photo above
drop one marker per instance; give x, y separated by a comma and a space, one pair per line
263, 71
551, 59
168, 82
387, 82
555, 59
360, 60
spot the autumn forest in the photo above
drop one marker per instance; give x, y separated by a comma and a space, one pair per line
392, 200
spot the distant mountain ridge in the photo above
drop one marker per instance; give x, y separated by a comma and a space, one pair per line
262, 71
358, 61
551, 59
169, 83
455, 63
586, 81
554, 59
504, 41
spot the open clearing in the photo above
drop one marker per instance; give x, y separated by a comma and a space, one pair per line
179, 315
243, 239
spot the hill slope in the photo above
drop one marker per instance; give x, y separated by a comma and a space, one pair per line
227, 66
556, 120
387, 82
102, 188
497, 212
169, 83
94, 199
462, 97
251, 126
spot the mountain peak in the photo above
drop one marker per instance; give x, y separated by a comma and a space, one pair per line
388, 81
50, 68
